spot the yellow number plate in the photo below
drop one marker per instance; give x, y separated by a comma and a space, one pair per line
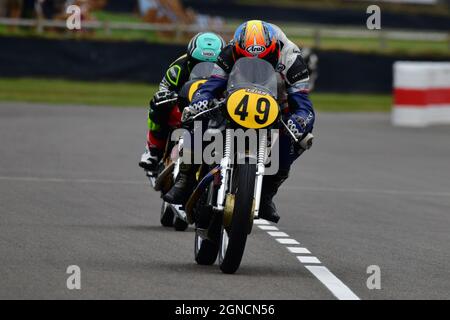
194, 87
253, 109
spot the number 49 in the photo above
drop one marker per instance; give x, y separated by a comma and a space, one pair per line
262, 109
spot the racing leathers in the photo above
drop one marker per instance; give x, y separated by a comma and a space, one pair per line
297, 109
164, 112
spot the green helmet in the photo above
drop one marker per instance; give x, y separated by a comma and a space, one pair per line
205, 46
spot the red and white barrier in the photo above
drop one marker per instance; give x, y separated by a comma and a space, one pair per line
421, 93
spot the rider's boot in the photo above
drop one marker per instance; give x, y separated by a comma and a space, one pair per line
150, 159
270, 187
184, 185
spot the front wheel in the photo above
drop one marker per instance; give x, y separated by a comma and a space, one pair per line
234, 238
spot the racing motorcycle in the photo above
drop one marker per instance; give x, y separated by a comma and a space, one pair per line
163, 179
227, 197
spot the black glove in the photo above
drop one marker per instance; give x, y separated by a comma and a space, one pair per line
194, 108
162, 97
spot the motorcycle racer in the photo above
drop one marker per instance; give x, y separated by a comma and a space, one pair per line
163, 111
266, 41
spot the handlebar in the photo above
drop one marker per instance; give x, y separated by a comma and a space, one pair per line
167, 101
305, 143
217, 104
289, 130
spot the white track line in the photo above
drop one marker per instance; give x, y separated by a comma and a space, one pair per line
266, 228
277, 234
312, 263
392, 192
317, 189
336, 286
299, 250
308, 259
287, 241
68, 180
261, 221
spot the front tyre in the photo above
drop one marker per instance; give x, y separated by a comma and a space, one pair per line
234, 238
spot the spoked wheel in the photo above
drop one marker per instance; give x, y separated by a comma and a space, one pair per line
234, 238
224, 239
167, 215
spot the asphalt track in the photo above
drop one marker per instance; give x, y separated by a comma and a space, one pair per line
71, 193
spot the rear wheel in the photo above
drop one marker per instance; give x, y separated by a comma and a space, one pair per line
234, 238
205, 251
179, 224
167, 215
208, 223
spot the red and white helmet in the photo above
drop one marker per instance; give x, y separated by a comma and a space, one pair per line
256, 38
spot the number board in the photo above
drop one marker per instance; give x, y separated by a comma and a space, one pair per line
251, 108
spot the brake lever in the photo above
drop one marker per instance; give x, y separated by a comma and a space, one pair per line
217, 104
305, 143
289, 130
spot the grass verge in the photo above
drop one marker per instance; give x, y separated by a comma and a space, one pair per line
63, 92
